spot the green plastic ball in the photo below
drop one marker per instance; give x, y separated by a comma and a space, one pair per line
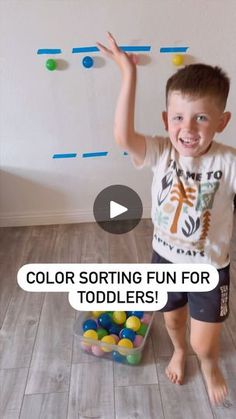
134, 359
110, 314
142, 330
101, 332
51, 64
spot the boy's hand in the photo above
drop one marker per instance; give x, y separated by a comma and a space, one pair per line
126, 62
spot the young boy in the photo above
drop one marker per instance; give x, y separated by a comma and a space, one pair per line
192, 200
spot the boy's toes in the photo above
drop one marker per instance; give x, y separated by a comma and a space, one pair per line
172, 376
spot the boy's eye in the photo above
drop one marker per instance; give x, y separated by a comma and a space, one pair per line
201, 118
178, 118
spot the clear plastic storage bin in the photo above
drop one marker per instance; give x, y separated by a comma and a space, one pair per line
110, 351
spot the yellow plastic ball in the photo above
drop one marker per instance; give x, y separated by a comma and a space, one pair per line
90, 334
96, 314
177, 60
125, 343
119, 317
133, 323
110, 340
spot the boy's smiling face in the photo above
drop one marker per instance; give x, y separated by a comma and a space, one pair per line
193, 122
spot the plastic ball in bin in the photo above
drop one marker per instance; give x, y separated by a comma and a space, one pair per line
97, 351
101, 332
125, 343
119, 317
116, 356
86, 347
89, 324
115, 329
127, 334
138, 314
138, 341
142, 330
133, 323
134, 359
115, 337
104, 320
110, 340
97, 313
90, 334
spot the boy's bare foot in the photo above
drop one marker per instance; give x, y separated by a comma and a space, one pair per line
175, 369
216, 385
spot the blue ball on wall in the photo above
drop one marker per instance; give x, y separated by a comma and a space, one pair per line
88, 62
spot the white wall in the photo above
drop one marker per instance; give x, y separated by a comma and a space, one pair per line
71, 110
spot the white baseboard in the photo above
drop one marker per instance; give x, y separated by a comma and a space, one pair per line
52, 217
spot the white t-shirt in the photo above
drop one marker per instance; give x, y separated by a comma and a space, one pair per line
192, 202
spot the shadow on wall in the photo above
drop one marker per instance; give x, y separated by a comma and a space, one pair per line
22, 200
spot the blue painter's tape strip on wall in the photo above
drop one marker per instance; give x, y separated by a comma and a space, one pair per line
137, 49
49, 51
84, 49
64, 156
124, 48
173, 49
96, 154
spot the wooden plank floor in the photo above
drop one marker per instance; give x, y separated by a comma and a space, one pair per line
44, 374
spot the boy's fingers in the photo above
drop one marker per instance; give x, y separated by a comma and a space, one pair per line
104, 49
111, 37
113, 43
114, 49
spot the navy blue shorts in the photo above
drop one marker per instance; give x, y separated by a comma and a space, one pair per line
211, 306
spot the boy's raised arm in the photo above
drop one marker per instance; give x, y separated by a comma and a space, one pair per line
125, 135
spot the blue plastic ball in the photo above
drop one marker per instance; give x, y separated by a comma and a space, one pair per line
117, 357
89, 324
88, 62
105, 321
127, 334
138, 314
115, 329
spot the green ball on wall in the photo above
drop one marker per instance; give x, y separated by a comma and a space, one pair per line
51, 64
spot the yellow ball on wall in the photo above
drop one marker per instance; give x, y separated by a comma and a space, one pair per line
177, 60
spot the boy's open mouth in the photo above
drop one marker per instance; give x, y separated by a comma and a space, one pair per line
189, 141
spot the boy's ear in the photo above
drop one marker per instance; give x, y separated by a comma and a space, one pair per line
225, 118
165, 119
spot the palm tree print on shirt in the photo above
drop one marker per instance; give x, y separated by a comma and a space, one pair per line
182, 196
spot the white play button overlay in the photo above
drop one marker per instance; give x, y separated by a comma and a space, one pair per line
116, 209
